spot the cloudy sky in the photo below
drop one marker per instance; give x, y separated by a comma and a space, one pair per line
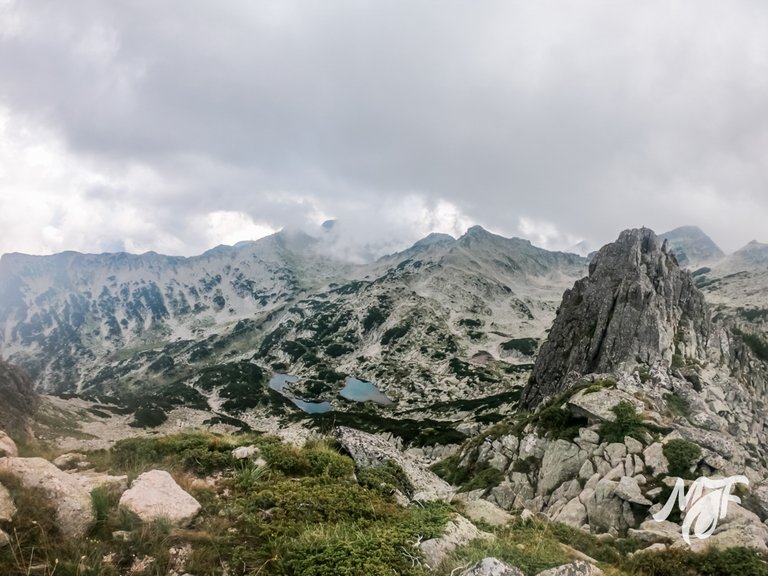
175, 126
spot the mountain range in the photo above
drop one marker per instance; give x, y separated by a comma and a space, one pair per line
442, 323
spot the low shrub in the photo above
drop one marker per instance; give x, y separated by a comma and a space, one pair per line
711, 562
677, 405
627, 423
385, 478
682, 455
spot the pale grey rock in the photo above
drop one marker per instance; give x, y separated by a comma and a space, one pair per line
566, 491
587, 470
740, 527
68, 495
615, 453
592, 482
586, 495
614, 473
576, 568
629, 466
657, 547
504, 495
459, 531
368, 450
561, 462
598, 406
532, 445
492, 567
633, 446
90, 479
499, 461
574, 514
5, 540
602, 465
510, 444
605, 511
479, 510
725, 446
7, 507
628, 490
7, 445
654, 458
155, 495
70, 460
709, 421
535, 504
589, 435
653, 492
243, 452
760, 494
715, 461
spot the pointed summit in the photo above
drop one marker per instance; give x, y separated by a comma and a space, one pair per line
433, 239
636, 305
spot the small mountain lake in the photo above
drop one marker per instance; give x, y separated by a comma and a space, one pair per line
360, 391
354, 390
278, 383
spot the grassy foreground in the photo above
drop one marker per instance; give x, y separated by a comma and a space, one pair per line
306, 512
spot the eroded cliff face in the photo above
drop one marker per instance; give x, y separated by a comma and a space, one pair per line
636, 306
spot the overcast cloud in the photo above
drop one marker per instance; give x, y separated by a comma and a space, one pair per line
176, 126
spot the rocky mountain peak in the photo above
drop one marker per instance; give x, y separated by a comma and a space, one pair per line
636, 306
692, 247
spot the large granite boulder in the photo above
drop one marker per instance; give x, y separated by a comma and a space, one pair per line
7, 445
70, 497
155, 495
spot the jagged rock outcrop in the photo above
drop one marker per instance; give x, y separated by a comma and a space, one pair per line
636, 306
368, 450
19, 400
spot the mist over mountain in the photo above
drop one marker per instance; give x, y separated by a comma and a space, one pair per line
692, 247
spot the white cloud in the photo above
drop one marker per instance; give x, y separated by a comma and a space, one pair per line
546, 234
230, 227
398, 118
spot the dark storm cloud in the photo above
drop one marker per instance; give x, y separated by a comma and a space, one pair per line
580, 117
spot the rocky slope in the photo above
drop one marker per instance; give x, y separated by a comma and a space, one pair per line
444, 321
657, 392
18, 401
